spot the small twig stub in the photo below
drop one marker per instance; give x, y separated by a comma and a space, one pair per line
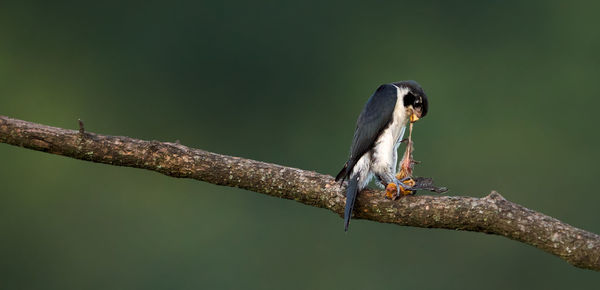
81, 130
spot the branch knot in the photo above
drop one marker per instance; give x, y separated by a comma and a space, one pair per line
495, 196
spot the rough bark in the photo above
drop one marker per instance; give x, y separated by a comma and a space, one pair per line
491, 214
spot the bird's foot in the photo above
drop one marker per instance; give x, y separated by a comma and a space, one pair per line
401, 187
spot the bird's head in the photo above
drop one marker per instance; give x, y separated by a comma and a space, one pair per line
414, 99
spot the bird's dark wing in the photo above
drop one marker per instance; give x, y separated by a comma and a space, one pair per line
373, 119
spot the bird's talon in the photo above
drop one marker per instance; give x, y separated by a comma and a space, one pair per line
393, 191
406, 186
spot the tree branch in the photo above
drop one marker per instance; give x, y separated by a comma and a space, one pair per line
491, 214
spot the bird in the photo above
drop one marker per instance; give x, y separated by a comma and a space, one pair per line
379, 131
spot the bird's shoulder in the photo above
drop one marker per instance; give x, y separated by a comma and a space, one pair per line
374, 118
380, 105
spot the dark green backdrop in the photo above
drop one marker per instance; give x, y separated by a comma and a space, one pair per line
513, 91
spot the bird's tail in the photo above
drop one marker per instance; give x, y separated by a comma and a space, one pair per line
351, 193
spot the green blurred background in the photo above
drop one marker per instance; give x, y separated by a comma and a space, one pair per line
513, 90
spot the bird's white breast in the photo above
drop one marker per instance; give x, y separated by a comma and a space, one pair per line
384, 151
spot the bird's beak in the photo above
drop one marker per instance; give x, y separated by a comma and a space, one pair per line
415, 116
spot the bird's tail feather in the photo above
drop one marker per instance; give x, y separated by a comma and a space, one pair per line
351, 193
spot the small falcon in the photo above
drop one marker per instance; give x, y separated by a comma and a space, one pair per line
379, 131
